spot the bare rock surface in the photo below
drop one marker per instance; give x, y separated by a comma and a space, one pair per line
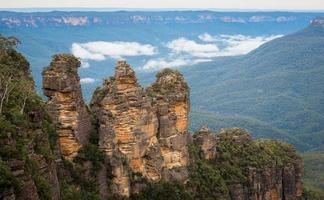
61, 84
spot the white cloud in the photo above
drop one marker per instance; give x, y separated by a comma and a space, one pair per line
161, 63
240, 44
83, 53
236, 44
87, 80
85, 64
207, 38
100, 50
183, 45
188, 52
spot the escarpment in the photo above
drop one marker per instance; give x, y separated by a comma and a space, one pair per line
61, 84
133, 142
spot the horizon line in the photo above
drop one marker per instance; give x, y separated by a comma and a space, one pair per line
97, 9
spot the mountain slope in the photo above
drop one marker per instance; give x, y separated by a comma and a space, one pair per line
280, 84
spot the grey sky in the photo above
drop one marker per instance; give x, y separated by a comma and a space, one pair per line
161, 4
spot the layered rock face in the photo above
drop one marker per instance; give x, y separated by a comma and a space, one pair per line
148, 127
129, 125
207, 141
274, 181
144, 133
61, 84
170, 95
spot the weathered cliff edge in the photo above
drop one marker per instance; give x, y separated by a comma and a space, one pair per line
130, 139
148, 128
269, 173
144, 133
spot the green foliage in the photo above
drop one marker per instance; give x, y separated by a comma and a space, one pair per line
91, 152
211, 179
166, 72
206, 181
43, 148
43, 187
52, 135
168, 82
9, 152
256, 153
8, 42
71, 192
79, 185
310, 193
162, 191
314, 170
6, 127
18, 103
7, 179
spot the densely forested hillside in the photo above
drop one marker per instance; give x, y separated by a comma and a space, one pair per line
276, 91
27, 137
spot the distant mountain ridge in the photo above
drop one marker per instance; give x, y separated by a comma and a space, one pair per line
87, 18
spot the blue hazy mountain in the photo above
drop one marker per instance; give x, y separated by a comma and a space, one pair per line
276, 91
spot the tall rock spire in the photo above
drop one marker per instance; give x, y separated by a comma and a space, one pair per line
128, 124
170, 94
61, 84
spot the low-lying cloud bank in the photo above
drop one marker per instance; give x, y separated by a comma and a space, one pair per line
181, 51
189, 52
100, 50
183, 45
232, 45
161, 63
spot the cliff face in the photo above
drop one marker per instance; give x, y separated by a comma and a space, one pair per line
170, 95
61, 84
144, 135
149, 128
27, 164
274, 179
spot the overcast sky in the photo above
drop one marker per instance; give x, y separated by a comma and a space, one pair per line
165, 4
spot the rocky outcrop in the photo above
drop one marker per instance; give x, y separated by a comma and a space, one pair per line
278, 179
148, 127
61, 84
128, 124
170, 95
145, 133
143, 139
207, 141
